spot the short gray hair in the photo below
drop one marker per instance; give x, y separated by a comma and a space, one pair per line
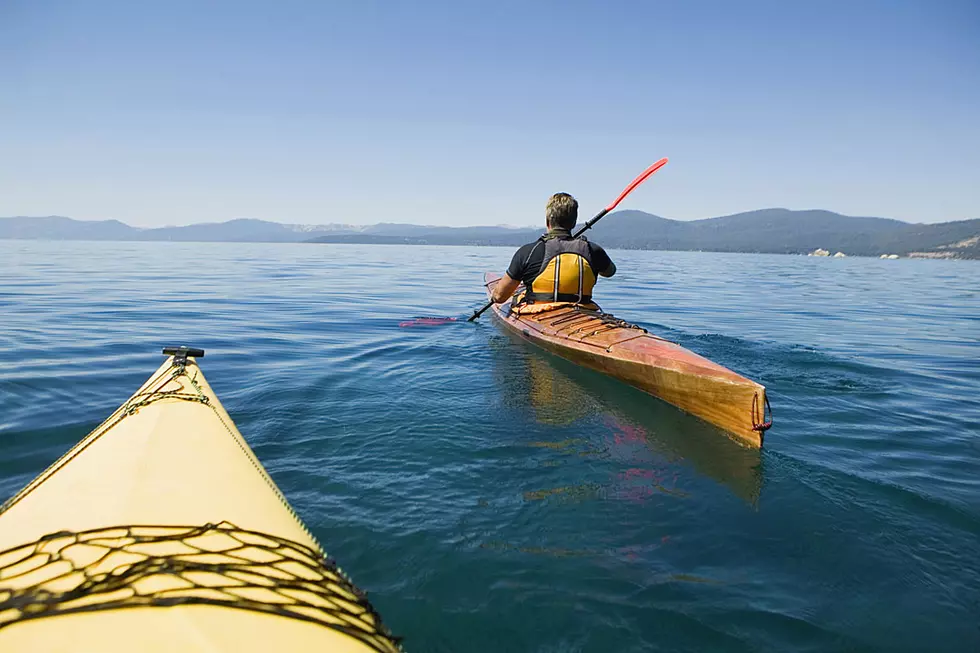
561, 211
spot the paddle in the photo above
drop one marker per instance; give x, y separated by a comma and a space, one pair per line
599, 216
433, 321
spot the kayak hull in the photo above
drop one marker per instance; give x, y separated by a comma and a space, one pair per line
659, 367
162, 531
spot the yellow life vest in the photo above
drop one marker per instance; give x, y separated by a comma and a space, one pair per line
566, 273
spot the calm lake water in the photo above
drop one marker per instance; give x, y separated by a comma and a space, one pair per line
492, 498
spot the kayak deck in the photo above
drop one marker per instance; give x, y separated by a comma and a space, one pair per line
165, 505
657, 366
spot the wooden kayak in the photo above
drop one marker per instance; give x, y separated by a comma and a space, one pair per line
162, 531
657, 366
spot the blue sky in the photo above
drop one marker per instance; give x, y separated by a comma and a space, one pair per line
462, 113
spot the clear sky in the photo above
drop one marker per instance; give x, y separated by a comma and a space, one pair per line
462, 112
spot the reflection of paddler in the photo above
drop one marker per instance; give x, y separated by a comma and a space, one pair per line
530, 380
555, 398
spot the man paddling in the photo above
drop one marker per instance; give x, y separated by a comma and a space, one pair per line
556, 268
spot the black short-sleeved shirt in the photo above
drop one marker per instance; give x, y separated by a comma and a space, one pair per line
526, 263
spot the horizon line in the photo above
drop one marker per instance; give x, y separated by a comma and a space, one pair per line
476, 226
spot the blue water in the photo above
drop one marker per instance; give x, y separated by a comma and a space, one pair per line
492, 498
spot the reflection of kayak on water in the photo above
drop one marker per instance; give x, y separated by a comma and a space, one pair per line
664, 369
161, 531
616, 420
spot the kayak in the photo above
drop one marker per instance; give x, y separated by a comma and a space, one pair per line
657, 366
162, 531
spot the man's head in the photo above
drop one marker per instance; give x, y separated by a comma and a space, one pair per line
561, 211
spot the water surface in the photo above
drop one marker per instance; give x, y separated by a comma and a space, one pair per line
493, 498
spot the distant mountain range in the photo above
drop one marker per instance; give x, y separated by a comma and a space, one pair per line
778, 231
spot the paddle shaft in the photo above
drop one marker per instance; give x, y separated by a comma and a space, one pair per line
599, 216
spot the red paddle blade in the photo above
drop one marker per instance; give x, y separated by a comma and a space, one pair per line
636, 182
427, 321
